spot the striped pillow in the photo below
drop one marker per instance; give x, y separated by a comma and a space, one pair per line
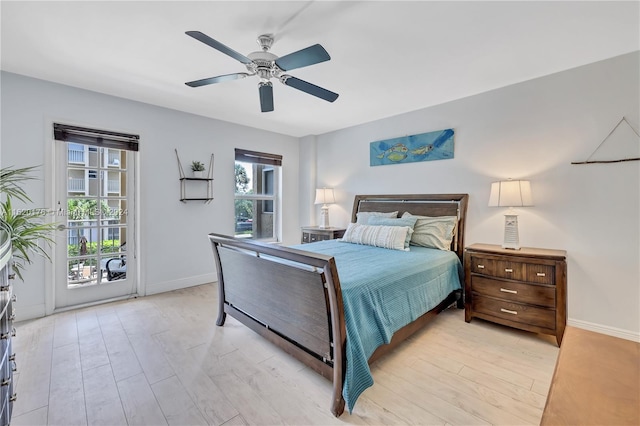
389, 237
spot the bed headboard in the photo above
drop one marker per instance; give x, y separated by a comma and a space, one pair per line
421, 205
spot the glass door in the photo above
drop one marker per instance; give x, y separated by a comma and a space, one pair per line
95, 192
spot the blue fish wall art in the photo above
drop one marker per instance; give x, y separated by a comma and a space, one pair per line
409, 149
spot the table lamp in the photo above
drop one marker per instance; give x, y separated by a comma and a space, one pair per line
511, 193
324, 196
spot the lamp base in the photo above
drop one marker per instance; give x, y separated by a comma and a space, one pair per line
324, 217
511, 240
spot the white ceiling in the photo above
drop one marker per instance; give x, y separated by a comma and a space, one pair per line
387, 57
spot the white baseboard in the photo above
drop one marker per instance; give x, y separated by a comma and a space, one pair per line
610, 331
164, 286
24, 313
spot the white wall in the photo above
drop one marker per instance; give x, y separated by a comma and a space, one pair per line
532, 130
174, 249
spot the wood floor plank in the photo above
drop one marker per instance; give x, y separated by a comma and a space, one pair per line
247, 401
121, 354
151, 357
139, 402
66, 398
65, 330
428, 400
203, 391
518, 411
178, 408
35, 369
516, 392
103, 403
32, 418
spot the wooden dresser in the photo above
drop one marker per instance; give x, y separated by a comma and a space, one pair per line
596, 381
525, 289
7, 357
311, 234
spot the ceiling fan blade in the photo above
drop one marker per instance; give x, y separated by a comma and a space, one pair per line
266, 97
218, 46
303, 58
309, 88
218, 79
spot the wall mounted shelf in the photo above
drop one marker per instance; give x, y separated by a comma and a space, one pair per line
201, 185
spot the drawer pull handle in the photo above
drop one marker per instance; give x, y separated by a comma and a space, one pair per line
541, 274
480, 266
14, 298
508, 270
506, 290
12, 276
5, 288
13, 397
507, 311
5, 382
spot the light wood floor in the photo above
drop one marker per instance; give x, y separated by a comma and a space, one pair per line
161, 360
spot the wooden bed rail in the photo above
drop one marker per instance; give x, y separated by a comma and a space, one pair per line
291, 297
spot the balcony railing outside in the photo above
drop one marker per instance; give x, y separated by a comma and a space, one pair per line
76, 185
113, 186
76, 156
114, 158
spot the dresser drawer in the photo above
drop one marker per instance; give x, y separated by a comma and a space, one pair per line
515, 292
513, 270
517, 312
308, 237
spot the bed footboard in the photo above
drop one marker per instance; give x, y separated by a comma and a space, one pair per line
291, 297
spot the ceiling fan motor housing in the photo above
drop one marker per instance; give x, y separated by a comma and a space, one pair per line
263, 64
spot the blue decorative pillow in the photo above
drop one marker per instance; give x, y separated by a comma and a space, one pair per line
401, 221
362, 218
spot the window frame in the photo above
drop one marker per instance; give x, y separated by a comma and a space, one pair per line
273, 165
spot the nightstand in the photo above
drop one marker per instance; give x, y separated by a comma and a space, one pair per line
525, 289
311, 234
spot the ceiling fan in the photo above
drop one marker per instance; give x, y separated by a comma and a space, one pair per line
266, 65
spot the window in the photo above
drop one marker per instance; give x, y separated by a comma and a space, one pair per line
257, 193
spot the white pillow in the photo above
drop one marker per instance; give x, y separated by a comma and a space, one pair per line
435, 232
389, 237
362, 218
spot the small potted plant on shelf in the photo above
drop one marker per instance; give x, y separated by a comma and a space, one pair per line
198, 169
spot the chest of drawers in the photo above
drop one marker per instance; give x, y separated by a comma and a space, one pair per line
311, 234
525, 289
7, 357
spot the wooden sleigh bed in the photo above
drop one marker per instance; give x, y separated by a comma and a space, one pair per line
293, 297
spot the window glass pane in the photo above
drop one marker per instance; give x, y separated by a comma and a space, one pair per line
256, 188
244, 178
114, 184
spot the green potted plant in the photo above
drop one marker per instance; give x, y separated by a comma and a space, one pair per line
198, 169
25, 226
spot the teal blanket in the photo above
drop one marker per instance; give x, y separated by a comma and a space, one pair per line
382, 291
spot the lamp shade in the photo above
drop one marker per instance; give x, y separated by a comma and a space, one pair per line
511, 193
324, 196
